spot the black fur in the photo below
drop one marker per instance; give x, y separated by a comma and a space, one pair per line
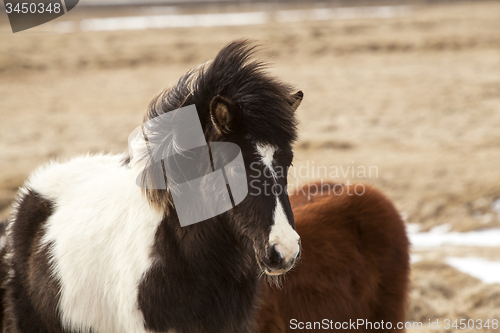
32, 294
201, 282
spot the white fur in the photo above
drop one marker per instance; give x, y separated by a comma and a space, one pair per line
283, 235
267, 156
101, 232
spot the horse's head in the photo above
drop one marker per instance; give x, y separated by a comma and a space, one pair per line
264, 131
238, 102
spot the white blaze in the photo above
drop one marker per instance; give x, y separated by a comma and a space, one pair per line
282, 234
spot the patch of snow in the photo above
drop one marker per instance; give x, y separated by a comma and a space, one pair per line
346, 13
173, 21
484, 238
168, 18
484, 270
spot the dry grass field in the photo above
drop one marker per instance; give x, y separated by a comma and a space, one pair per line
416, 98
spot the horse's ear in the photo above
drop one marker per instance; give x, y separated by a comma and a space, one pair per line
224, 114
296, 99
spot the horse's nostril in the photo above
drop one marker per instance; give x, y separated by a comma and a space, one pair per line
275, 257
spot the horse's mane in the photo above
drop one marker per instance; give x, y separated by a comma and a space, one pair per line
264, 101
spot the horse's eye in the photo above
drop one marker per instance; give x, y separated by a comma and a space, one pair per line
238, 169
284, 158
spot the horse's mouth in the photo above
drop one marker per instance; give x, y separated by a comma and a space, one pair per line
268, 270
271, 272
275, 272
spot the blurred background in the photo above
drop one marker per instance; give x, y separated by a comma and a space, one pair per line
408, 88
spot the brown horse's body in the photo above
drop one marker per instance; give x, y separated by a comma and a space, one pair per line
355, 265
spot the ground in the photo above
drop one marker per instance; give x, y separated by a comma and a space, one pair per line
415, 98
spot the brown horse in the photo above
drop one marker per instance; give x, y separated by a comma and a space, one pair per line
353, 275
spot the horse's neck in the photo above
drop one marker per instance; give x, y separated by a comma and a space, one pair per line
202, 269
208, 245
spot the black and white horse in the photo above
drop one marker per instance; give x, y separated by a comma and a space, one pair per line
90, 251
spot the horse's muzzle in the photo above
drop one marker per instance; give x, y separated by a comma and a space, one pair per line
278, 262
